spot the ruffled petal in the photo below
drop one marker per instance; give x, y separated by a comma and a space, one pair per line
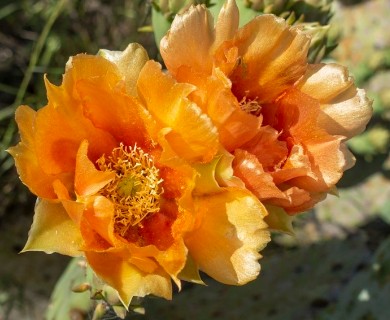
271, 58
346, 109
248, 168
113, 267
268, 149
53, 231
297, 117
191, 134
297, 165
229, 234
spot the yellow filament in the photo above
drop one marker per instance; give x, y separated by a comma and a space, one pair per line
136, 190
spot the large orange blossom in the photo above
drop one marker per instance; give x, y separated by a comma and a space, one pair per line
128, 173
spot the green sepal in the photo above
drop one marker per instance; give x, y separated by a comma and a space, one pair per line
279, 220
190, 272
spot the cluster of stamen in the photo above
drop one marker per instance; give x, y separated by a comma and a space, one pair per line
136, 190
250, 106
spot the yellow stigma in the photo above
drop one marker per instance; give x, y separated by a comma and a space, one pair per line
250, 106
135, 191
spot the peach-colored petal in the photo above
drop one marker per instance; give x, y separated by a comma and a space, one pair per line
227, 23
346, 109
230, 232
330, 169
325, 82
301, 200
297, 117
127, 279
297, 165
189, 40
268, 149
247, 167
53, 230
271, 58
192, 135
89, 180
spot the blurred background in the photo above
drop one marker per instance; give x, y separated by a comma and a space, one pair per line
337, 266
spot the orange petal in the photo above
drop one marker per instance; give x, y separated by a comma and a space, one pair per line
128, 280
230, 232
29, 169
164, 231
346, 109
53, 230
272, 57
89, 180
100, 217
74, 209
191, 134
59, 130
173, 260
109, 108
214, 97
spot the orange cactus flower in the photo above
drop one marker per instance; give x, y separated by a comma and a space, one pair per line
285, 121
117, 159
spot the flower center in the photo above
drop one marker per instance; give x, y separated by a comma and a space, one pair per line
250, 106
135, 191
